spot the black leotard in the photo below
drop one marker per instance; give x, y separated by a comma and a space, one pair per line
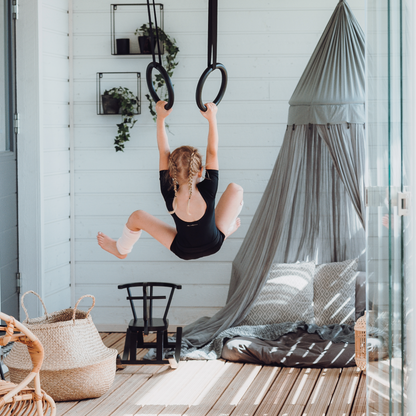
197, 238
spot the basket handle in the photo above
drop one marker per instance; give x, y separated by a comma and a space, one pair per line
79, 300
24, 308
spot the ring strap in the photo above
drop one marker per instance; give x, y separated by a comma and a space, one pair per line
157, 65
152, 37
212, 33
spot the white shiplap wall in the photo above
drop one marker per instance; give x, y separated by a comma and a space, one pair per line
54, 61
42, 73
265, 46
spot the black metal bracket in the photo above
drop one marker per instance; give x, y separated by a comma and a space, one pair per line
113, 21
134, 76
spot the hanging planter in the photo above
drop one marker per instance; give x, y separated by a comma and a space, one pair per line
122, 99
145, 44
111, 105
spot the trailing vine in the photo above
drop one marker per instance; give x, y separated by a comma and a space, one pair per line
129, 104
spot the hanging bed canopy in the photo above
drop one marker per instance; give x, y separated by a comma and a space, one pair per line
313, 206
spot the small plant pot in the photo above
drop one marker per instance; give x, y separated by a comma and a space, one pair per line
110, 105
123, 46
145, 44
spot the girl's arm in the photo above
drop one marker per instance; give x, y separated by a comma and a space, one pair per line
212, 147
162, 137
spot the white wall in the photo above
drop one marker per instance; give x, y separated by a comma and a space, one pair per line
56, 160
43, 151
265, 46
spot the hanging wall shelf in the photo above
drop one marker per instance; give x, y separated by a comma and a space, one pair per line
125, 19
108, 80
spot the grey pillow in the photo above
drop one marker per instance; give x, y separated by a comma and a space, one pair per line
334, 293
287, 296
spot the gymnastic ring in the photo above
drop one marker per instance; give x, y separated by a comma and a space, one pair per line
168, 82
201, 83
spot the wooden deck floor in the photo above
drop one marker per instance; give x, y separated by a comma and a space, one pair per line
214, 388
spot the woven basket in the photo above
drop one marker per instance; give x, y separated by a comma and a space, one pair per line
360, 343
77, 365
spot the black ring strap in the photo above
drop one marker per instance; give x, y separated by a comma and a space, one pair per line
212, 58
157, 65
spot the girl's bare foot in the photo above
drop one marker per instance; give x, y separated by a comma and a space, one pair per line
234, 227
108, 244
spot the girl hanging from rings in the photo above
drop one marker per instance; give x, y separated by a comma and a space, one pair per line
200, 227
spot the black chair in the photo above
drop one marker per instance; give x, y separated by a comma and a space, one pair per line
142, 326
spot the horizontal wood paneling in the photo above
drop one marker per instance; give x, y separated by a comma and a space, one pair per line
57, 255
55, 181
201, 296
58, 279
8, 252
118, 317
8, 217
99, 137
149, 250
247, 157
88, 226
56, 162
183, 20
236, 44
61, 299
118, 272
95, 6
125, 204
265, 46
148, 180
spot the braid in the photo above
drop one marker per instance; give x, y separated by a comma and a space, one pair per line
184, 163
175, 183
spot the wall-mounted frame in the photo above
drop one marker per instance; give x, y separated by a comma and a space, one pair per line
108, 80
125, 19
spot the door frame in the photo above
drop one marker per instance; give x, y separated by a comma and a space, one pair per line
29, 144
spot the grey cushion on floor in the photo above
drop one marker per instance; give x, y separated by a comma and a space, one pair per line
334, 292
287, 296
297, 349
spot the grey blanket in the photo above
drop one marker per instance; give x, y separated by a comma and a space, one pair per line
212, 350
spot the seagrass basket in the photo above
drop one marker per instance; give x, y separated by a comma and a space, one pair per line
360, 343
77, 365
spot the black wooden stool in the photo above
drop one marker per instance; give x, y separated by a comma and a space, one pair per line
142, 326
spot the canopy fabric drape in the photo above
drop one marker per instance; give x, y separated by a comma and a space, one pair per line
313, 205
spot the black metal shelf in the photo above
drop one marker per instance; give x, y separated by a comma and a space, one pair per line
108, 80
117, 9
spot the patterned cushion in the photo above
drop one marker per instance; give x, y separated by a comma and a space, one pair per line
287, 296
334, 293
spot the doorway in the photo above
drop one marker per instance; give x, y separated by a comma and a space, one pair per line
389, 107
9, 252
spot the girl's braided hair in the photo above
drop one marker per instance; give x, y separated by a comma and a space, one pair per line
184, 163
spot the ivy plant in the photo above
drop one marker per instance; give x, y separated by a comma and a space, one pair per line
169, 62
129, 104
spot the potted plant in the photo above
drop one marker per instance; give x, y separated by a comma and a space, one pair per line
123, 99
170, 50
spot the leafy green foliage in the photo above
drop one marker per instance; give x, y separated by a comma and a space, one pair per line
129, 104
168, 61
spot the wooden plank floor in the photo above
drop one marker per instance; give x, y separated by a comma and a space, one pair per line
220, 388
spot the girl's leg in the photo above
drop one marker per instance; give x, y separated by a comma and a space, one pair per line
140, 220
228, 208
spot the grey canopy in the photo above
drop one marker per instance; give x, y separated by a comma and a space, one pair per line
313, 206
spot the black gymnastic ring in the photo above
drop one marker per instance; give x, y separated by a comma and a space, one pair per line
168, 83
201, 83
